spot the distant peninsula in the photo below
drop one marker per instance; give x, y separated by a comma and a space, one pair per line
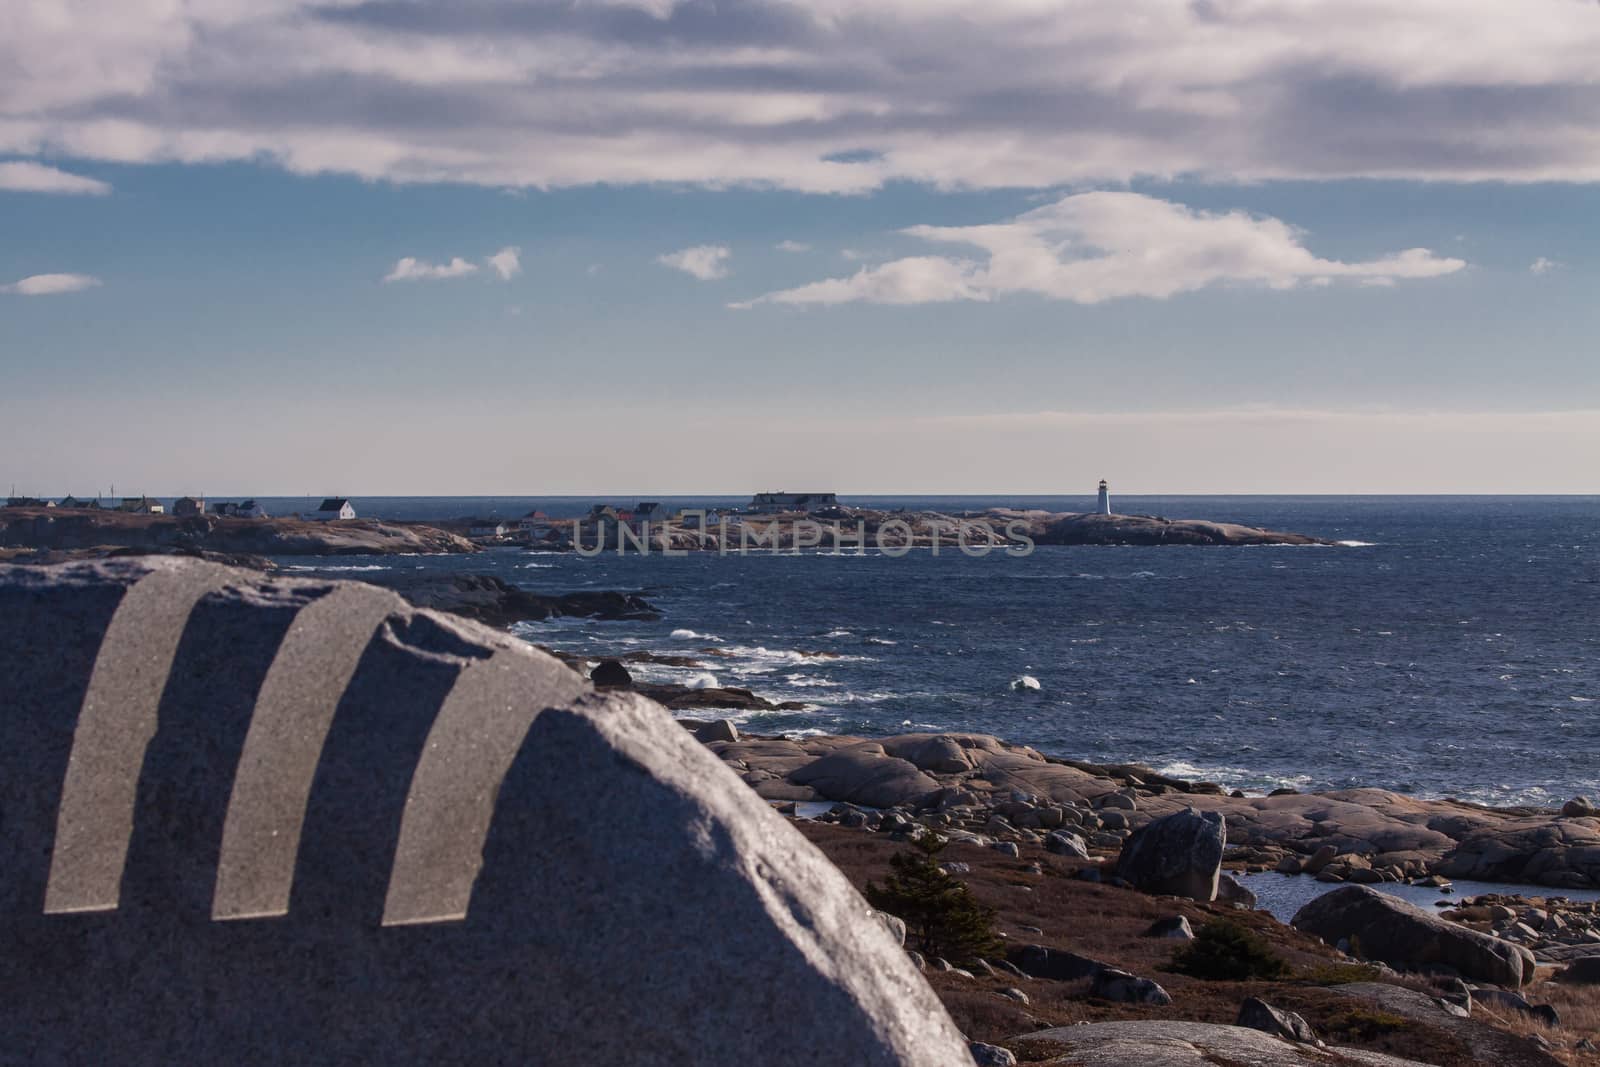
96, 531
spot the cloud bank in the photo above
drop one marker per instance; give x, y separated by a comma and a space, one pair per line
819, 95
51, 284
706, 262
505, 264
1101, 246
24, 176
412, 269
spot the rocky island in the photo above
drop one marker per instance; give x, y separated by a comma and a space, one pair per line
850, 529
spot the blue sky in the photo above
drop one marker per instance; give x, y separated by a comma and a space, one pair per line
1324, 293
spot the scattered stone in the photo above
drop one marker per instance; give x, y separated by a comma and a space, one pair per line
1229, 891
1057, 965
1015, 994
1007, 848
1579, 808
720, 730
1401, 934
1259, 1015
1010, 968
611, 674
991, 1055
1124, 988
1178, 855
895, 925
1062, 843
1175, 927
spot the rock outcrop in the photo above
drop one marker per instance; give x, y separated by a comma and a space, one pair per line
1162, 1043
1178, 854
1257, 1014
257, 821
492, 601
1384, 927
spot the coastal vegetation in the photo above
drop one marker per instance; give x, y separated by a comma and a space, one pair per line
942, 916
1227, 952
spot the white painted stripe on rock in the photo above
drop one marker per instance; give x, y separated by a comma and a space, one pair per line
294, 711
476, 737
95, 820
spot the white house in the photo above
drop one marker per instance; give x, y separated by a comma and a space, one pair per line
335, 507
484, 528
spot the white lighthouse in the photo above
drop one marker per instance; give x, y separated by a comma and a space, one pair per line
1104, 506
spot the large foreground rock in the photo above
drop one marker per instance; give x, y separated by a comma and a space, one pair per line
1183, 1044
1179, 854
253, 821
1386, 928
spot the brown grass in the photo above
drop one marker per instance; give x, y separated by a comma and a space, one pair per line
1106, 923
1579, 1008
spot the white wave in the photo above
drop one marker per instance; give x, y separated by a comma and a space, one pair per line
803, 681
341, 567
702, 680
1231, 776
762, 654
837, 633
1357, 544
691, 635
536, 566
1026, 683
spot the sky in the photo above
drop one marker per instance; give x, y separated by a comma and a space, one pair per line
718, 246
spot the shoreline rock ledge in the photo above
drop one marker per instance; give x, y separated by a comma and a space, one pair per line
981, 786
258, 820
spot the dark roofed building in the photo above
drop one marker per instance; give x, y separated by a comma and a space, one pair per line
335, 507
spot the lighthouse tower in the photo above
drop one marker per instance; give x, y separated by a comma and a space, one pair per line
1104, 505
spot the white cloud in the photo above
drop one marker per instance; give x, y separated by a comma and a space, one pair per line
792, 246
706, 262
1093, 247
25, 176
51, 284
507, 262
818, 95
411, 269
1543, 266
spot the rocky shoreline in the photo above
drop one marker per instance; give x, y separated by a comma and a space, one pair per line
983, 790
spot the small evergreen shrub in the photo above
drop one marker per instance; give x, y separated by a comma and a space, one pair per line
1228, 952
942, 916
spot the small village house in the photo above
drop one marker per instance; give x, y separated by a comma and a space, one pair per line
141, 505
247, 509
332, 509
189, 505
79, 503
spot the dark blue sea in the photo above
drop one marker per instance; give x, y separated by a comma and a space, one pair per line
1450, 648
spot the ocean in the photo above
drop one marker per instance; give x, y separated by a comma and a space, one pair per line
1450, 647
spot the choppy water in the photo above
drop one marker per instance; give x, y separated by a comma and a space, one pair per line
1454, 651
